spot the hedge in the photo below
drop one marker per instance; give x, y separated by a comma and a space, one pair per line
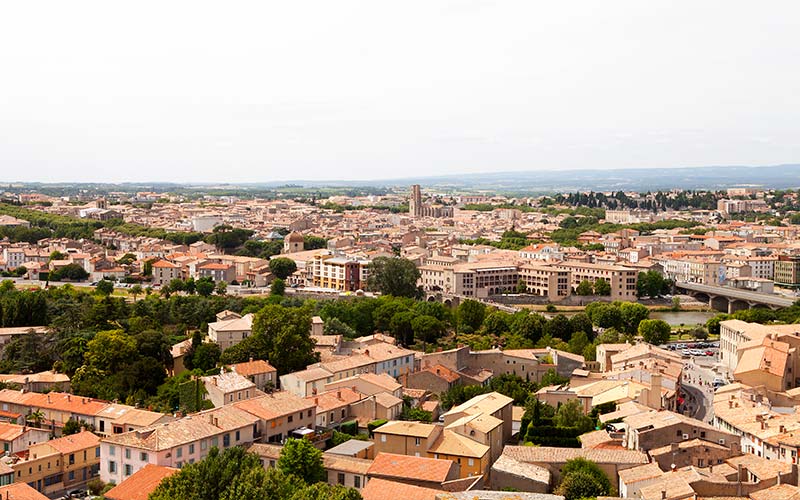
375, 424
349, 427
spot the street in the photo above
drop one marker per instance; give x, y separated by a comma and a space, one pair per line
697, 387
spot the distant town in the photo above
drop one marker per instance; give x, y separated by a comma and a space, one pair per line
355, 342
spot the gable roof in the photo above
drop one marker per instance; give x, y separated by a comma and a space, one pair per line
411, 468
141, 483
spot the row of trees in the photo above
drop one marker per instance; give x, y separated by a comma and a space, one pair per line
235, 474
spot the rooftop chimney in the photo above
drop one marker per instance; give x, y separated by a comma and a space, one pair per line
339, 394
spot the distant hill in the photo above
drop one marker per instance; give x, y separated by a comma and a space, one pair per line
636, 179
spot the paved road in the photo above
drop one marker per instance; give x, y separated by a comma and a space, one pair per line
698, 392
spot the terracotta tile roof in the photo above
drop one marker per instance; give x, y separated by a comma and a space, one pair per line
337, 398
545, 455
75, 442
443, 372
778, 492
275, 405
389, 465
402, 428
254, 367
451, 443
60, 401
141, 483
381, 489
10, 432
21, 491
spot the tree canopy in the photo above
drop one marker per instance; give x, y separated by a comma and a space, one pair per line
393, 276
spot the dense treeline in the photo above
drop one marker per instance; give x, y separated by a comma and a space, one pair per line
226, 238
659, 201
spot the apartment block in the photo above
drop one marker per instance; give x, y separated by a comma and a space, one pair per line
622, 279
173, 444
546, 281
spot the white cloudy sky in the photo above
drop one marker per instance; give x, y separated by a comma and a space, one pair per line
275, 90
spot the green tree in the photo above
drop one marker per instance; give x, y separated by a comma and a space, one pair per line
605, 315
136, 290
427, 328
204, 286
470, 314
584, 288
522, 287
221, 288
301, 458
278, 287
393, 276
71, 272
104, 287
528, 325
712, 325
401, 327
206, 356
581, 464
282, 267
654, 331
602, 287
496, 323
580, 485
631, 315
580, 322
558, 327
652, 284
280, 334
570, 414
71, 426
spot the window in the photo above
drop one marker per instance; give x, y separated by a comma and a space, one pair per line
127, 453
112, 450
71, 475
112, 467
417, 441
226, 440
215, 441
471, 462
128, 469
143, 456
237, 436
71, 458
357, 481
291, 418
383, 438
203, 444
179, 452
179, 464
191, 449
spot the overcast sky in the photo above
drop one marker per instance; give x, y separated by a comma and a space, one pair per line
263, 91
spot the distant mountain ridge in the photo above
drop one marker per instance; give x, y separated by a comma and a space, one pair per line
634, 179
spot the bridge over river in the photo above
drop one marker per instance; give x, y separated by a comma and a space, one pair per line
730, 300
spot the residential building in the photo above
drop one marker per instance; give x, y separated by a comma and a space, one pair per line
17, 438
141, 483
258, 371
173, 444
231, 330
341, 273
340, 470
406, 438
217, 272
622, 279
546, 281
787, 270
61, 464
165, 271
228, 388
278, 414
418, 471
